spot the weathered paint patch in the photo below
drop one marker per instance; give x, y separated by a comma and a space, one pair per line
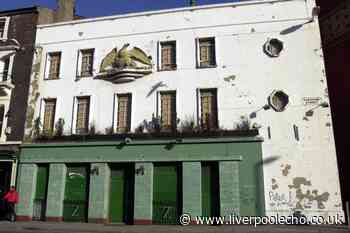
305, 200
298, 182
34, 94
286, 169
274, 184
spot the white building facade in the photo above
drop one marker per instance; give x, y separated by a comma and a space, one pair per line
220, 51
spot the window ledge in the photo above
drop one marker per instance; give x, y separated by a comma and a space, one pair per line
169, 69
151, 136
77, 78
50, 79
207, 67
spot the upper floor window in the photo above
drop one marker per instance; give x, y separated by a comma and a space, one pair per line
86, 60
209, 111
124, 113
4, 24
5, 73
168, 55
49, 115
83, 111
168, 110
54, 65
206, 53
2, 118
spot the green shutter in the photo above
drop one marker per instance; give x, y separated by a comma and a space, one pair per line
116, 210
76, 194
166, 194
210, 190
39, 207
251, 182
121, 194
41, 182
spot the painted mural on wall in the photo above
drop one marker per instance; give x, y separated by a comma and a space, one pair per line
125, 65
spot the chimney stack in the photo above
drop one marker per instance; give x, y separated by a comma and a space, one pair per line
193, 3
65, 11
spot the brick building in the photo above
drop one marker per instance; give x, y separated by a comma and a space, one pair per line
17, 46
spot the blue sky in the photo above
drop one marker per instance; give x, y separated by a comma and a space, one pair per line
91, 8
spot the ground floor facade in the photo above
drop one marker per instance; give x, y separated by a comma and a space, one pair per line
9, 153
141, 182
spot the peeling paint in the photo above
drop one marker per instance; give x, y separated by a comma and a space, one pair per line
298, 182
274, 184
305, 200
34, 93
285, 170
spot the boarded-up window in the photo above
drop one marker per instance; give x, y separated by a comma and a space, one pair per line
207, 52
55, 63
49, 115
5, 74
209, 113
124, 113
87, 58
168, 110
168, 55
82, 125
2, 116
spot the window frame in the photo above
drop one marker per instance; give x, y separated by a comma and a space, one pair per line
2, 124
4, 36
200, 110
48, 65
129, 112
79, 73
76, 112
173, 125
198, 52
160, 55
9, 71
5, 101
46, 100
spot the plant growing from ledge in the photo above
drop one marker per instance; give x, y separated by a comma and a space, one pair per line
59, 127
109, 131
37, 128
188, 125
152, 126
92, 129
244, 124
139, 129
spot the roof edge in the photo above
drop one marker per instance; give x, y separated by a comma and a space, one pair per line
165, 11
20, 10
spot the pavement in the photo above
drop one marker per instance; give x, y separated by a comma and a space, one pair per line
46, 227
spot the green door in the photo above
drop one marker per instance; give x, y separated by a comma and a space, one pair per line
41, 192
167, 193
210, 190
251, 183
121, 194
76, 194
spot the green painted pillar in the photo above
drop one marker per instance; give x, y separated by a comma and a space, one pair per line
99, 192
192, 194
55, 193
143, 193
26, 188
229, 188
